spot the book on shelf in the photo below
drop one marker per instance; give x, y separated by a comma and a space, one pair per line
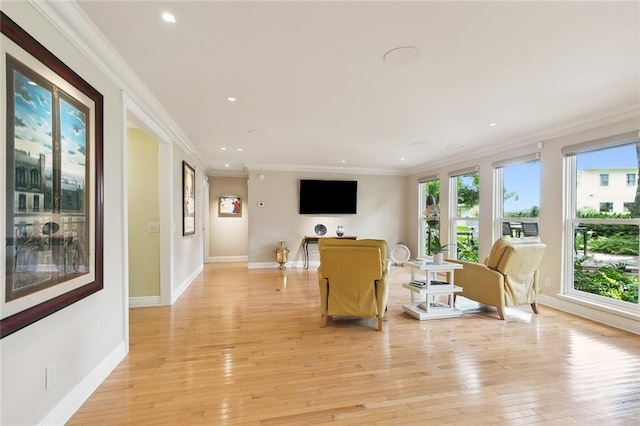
436, 282
423, 305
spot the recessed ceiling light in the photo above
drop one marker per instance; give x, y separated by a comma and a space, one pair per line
492, 124
168, 17
223, 148
231, 99
226, 165
239, 149
343, 161
402, 159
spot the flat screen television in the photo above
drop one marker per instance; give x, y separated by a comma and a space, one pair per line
328, 196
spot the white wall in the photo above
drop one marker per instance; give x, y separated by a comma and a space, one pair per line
551, 212
228, 236
382, 202
86, 339
188, 255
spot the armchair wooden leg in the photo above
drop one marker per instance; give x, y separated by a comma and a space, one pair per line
323, 320
500, 312
379, 323
534, 308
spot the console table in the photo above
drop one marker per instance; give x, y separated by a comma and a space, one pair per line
314, 240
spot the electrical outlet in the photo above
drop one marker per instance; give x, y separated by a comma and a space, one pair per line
153, 227
50, 374
547, 282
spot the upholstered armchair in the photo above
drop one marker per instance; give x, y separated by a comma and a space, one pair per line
508, 277
352, 278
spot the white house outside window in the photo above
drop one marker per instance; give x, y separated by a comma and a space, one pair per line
604, 179
602, 262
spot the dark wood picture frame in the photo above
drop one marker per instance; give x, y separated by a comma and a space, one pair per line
74, 224
188, 199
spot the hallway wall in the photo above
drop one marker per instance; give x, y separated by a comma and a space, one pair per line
228, 236
144, 243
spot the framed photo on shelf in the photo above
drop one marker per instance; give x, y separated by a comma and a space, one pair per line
189, 199
230, 206
53, 190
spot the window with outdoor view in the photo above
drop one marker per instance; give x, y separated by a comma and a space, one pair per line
429, 201
518, 181
465, 188
603, 222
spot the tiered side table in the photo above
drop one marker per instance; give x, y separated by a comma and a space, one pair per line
433, 300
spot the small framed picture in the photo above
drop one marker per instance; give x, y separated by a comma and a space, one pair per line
188, 199
230, 206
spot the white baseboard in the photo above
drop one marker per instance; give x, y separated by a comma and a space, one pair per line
227, 259
274, 265
71, 403
141, 301
564, 304
175, 295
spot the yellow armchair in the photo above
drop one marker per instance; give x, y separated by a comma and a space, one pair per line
352, 278
509, 276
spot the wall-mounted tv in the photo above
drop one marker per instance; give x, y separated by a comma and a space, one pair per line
328, 196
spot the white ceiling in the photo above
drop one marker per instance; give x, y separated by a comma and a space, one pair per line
313, 89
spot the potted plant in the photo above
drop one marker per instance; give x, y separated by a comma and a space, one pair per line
438, 250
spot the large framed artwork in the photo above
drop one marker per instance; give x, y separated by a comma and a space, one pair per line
188, 199
52, 121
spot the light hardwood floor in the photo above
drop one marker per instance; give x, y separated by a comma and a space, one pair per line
245, 347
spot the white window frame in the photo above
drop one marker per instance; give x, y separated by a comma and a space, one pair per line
453, 208
498, 191
422, 222
572, 221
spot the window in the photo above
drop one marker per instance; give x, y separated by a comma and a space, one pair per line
35, 179
517, 189
604, 179
36, 203
631, 179
21, 177
606, 207
22, 202
603, 225
465, 209
429, 202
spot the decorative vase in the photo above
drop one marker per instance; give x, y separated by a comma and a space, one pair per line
282, 254
438, 258
340, 231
